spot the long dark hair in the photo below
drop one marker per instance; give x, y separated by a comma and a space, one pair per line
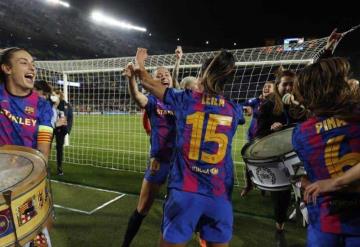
217, 73
324, 89
5, 56
276, 99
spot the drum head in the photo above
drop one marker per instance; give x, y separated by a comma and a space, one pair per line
13, 170
25, 198
20, 166
274, 145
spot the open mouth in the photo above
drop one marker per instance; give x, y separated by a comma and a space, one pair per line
165, 83
30, 77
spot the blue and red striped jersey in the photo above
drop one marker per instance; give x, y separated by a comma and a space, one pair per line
328, 147
162, 122
24, 121
205, 126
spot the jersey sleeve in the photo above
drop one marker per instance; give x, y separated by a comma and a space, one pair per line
150, 104
176, 98
45, 130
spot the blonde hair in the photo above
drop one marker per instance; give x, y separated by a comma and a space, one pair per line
187, 81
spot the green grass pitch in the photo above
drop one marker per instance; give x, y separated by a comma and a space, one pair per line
118, 142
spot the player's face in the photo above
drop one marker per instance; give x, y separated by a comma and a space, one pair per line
22, 71
55, 98
267, 89
286, 85
164, 76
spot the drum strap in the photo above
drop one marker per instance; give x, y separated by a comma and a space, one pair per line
7, 197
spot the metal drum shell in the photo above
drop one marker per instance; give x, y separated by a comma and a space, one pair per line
29, 187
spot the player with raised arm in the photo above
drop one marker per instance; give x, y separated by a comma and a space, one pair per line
162, 138
175, 75
201, 177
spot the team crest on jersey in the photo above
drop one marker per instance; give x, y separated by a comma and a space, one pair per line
29, 110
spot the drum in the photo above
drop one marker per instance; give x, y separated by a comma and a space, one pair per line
25, 201
271, 161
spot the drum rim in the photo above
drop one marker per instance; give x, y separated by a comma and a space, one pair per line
23, 149
40, 172
270, 158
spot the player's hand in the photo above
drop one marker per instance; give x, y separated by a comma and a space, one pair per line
313, 190
304, 182
178, 53
154, 166
333, 40
141, 55
276, 126
129, 71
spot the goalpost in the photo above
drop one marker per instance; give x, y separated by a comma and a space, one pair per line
107, 130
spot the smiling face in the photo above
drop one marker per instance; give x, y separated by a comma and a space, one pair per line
267, 89
20, 73
163, 74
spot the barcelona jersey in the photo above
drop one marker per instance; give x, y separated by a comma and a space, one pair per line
328, 147
205, 126
162, 122
24, 120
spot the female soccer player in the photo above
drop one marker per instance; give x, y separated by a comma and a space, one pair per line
25, 117
162, 140
201, 177
328, 144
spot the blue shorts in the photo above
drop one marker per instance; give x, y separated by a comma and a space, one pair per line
317, 238
186, 212
160, 174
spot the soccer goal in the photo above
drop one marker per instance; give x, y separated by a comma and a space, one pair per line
107, 130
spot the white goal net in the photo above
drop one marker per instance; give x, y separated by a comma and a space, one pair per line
107, 130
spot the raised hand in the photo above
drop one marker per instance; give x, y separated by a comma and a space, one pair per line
333, 40
178, 53
141, 55
129, 71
